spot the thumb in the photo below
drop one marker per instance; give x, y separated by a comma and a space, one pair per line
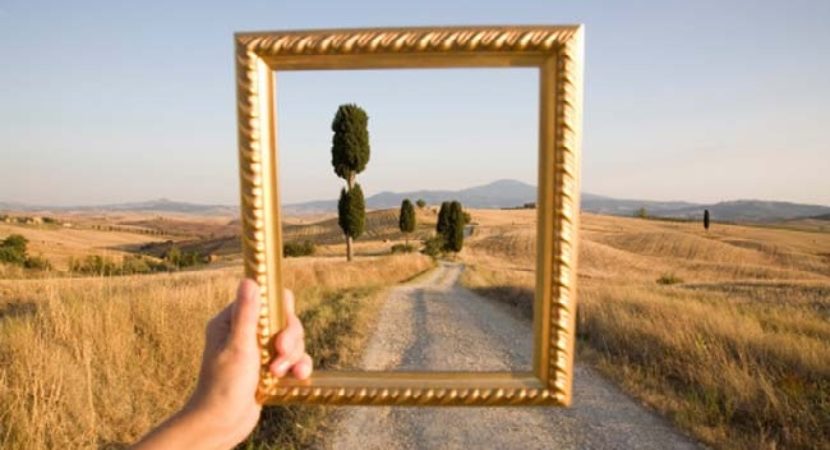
245, 315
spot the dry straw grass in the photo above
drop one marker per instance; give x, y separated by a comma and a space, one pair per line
94, 362
737, 351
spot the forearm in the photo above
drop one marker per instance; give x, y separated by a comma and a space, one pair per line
186, 429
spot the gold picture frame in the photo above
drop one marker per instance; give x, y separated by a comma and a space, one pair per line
557, 51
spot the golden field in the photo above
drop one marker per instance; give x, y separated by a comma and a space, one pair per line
60, 244
726, 332
92, 362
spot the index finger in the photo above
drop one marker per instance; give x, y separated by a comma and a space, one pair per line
288, 302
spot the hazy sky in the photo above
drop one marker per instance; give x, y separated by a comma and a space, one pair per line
703, 101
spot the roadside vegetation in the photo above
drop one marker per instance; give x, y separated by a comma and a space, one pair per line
732, 341
449, 231
295, 249
61, 388
14, 251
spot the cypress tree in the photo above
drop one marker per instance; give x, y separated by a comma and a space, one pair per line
349, 156
406, 220
443, 219
351, 212
455, 231
706, 219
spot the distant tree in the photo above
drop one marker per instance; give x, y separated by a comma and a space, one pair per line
351, 215
304, 248
421, 203
706, 219
406, 219
174, 256
190, 259
135, 264
454, 235
467, 218
349, 156
13, 249
443, 219
641, 213
16, 241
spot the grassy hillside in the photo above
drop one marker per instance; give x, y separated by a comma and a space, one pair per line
118, 236
59, 244
727, 332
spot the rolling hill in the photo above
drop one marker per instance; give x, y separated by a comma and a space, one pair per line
498, 194
513, 193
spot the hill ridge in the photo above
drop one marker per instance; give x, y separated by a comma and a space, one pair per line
501, 193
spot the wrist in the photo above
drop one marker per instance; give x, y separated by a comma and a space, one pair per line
203, 427
189, 428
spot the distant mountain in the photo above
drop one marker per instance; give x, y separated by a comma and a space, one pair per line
165, 205
752, 211
513, 193
498, 194
600, 204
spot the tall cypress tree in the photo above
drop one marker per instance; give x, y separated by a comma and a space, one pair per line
406, 220
351, 211
349, 156
443, 219
455, 231
706, 219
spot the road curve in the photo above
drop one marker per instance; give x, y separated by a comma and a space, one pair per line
436, 324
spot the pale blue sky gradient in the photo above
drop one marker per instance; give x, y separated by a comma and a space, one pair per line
703, 101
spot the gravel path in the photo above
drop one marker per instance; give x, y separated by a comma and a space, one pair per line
436, 324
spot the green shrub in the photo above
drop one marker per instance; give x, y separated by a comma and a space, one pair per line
94, 265
402, 248
178, 259
138, 264
37, 263
434, 246
11, 256
669, 279
13, 249
130, 265
173, 255
292, 249
190, 259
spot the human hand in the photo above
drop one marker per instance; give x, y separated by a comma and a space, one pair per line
223, 410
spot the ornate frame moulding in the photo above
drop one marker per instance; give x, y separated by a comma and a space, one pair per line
557, 52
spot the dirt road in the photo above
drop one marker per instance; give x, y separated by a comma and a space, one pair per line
436, 324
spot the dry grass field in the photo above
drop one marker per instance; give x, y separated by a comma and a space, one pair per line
59, 244
726, 332
95, 362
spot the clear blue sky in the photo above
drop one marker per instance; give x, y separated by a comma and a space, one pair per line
704, 101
